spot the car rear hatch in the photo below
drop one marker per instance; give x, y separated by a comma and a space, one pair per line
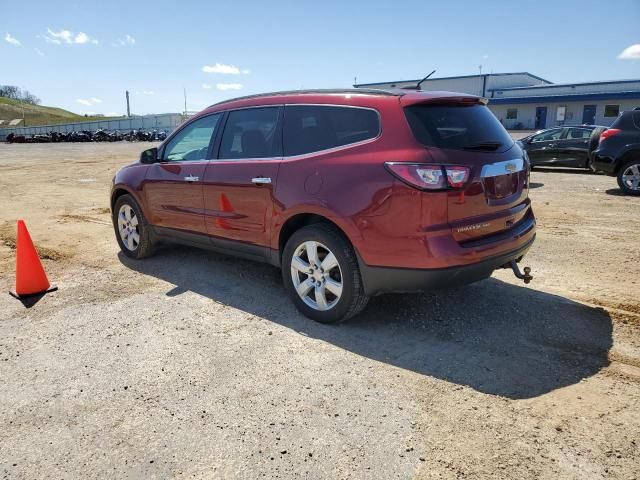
460, 131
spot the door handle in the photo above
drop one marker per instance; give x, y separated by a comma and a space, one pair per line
191, 178
551, 145
261, 180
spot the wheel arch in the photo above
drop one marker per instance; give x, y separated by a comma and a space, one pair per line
302, 219
120, 190
631, 154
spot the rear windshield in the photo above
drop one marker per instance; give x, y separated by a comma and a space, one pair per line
471, 127
627, 121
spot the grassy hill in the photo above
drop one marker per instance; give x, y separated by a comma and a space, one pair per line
37, 114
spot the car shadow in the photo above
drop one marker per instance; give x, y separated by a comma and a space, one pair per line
535, 184
617, 192
492, 336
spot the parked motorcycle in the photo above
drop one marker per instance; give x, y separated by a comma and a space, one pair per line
100, 135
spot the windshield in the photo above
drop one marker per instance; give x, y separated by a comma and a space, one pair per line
462, 127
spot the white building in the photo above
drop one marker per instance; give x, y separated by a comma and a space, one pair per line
525, 101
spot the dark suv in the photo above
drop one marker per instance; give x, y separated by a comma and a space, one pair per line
618, 153
352, 192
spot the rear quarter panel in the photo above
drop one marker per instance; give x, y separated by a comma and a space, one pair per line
348, 185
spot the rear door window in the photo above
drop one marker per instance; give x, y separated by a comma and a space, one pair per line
312, 128
457, 127
251, 133
578, 133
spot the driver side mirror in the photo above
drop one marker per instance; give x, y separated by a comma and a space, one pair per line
149, 156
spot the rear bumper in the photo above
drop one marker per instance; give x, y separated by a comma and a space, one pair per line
604, 163
378, 280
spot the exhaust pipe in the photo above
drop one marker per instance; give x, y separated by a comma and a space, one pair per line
526, 276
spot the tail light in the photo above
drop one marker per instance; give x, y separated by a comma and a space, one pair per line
608, 133
457, 176
430, 177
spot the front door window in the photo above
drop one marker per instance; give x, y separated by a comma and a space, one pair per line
547, 136
192, 142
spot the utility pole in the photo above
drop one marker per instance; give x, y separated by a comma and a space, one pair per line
128, 109
480, 68
185, 101
24, 120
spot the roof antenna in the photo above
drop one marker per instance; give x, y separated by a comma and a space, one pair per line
420, 82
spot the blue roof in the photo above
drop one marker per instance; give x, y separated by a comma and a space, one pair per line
578, 84
453, 78
564, 98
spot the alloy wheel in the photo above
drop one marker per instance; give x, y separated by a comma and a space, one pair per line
128, 227
631, 177
316, 275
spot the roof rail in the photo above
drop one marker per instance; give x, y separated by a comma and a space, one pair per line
346, 91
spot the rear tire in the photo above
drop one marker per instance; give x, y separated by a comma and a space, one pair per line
132, 231
629, 177
329, 295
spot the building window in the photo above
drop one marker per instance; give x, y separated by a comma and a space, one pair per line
611, 110
512, 113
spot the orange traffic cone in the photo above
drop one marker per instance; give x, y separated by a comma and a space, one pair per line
30, 276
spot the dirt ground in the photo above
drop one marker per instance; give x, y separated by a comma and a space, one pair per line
194, 365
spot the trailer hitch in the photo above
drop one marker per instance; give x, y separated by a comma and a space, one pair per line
526, 276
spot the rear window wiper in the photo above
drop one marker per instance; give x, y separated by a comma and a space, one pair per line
484, 146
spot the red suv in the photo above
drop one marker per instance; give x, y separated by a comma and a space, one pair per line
351, 192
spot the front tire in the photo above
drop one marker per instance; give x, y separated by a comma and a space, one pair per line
132, 230
629, 177
321, 275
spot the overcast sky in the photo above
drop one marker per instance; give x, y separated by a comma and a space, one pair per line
83, 55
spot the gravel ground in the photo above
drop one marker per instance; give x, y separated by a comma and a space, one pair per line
194, 365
